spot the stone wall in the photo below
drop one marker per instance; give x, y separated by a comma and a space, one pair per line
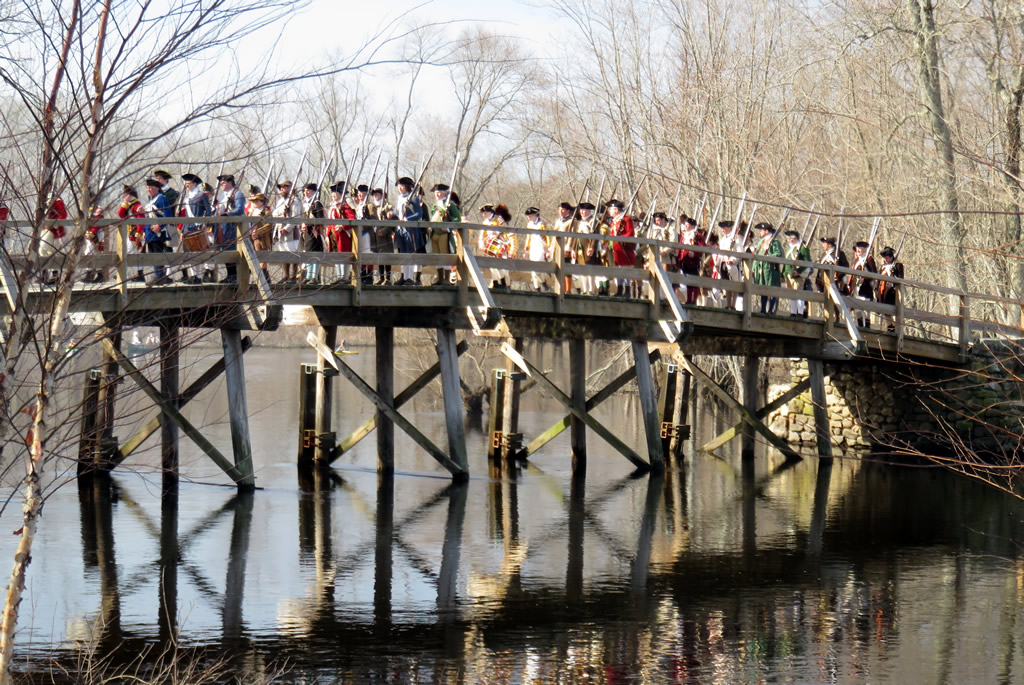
874, 405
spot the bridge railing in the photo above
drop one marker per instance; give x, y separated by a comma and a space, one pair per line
915, 312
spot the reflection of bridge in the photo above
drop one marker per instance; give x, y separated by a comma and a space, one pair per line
658, 319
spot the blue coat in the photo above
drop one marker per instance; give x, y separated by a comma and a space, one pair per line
231, 203
158, 208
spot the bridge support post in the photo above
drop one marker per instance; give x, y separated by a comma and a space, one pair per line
324, 400
494, 423
680, 416
649, 407
108, 405
169, 388
307, 415
750, 368
386, 390
238, 412
451, 391
578, 396
667, 407
512, 440
89, 430
821, 422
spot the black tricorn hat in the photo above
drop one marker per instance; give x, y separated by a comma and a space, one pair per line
888, 252
230, 178
154, 183
566, 206
405, 181
377, 190
765, 226
338, 188
862, 244
311, 186
191, 178
792, 234
284, 184
129, 190
829, 239
440, 187
615, 203
207, 188
253, 189
659, 215
691, 221
531, 210
587, 205
363, 188
487, 208
160, 173
728, 223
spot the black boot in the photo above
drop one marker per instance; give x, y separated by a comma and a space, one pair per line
419, 279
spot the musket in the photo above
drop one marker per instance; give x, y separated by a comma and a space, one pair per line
642, 229
266, 181
807, 223
785, 215
675, 203
900, 247
839, 231
600, 189
373, 174
416, 183
739, 213
871, 241
701, 206
750, 225
448, 196
814, 229
636, 192
295, 182
714, 217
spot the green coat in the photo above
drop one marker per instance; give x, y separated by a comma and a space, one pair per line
763, 272
799, 255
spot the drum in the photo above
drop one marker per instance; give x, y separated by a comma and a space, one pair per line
196, 241
495, 245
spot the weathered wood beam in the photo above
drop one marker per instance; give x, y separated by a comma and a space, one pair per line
458, 473
168, 408
599, 397
385, 363
324, 400
451, 395
649, 406
822, 433
238, 412
422, 381
729, 434
723, 395
581, 414
153, 425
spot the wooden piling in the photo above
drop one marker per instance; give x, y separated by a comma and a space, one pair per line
649, 406
169, 345
750, 368
324, 400
667, 408
89, 431
510, 415
108, 404
578, 394
386, 389
238, 413
307, 415
451, 391
681, 416
821, 423
495, 426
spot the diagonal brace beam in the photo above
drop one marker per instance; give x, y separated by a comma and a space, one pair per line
722, 394
421, 382
600, 396
362, 386
764, 411
167, 407
153, 425
584, 416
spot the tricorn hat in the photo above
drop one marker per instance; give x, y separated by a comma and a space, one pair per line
587, 205
207, 188
728, 223
862, 244
284, 184
566, 206
253, 189
531, 211
888, 252
258, 197
659, 215
154, 183
829, 240
765, 226
338, 188
405, 181
377, 190
230, 178
792, 234
191, 178
440, 187
129, 190
615, 203
487, 208
311, 186
160, 173
363, 188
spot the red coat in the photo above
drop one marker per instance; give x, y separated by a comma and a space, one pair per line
136, 233
58, 211
623, 253
340, 236
689, 260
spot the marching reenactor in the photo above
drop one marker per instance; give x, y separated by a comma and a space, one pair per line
231, 202
260, 231
586, 248
797, 277
508, 242
286, 236
887, 290
383, 237
537, 248
366, 209
167, 191
690, 260
662, 230
194, 204
863, 287
566, 219
131, 208
157, 236
730, 239
51, 237
5, 214
338, 237
832, 255
311, 235
408, 239
767, 273
623, 254
440, 238
94, 245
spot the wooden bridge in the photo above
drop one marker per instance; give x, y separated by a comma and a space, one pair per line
931, 323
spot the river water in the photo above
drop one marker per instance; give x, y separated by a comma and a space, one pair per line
716, 573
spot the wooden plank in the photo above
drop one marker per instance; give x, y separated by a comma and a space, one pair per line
723, 395
649, 406
153, 425
385, 367
513, 390
844, 312
172, 413
495, 421
238, 413
729, 434
574, 407
362, 386
244, 244
821, 423
324, 399
422, 381
307, 416
451, 395
477, 277
578, 384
